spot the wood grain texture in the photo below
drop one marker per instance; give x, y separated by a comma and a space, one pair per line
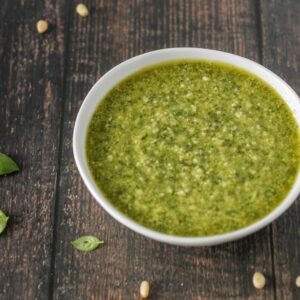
281, 53
115, 31
31, 83
43, 80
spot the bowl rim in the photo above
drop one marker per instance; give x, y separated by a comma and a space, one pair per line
82, 121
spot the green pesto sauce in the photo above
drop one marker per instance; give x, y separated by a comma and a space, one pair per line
193, 148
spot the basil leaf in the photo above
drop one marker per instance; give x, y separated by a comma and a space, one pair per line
86, 243
7, 165
3, 221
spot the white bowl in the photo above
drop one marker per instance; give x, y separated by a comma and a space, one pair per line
121, 71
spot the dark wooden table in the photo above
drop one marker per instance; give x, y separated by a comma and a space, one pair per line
43, 80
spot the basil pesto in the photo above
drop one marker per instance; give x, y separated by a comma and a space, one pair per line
193, 148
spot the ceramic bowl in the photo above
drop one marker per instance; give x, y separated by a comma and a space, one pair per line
121, 71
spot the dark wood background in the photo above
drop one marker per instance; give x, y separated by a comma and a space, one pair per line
43, 80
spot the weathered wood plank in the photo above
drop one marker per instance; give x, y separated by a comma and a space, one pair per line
281, 53
115, 31
31, 86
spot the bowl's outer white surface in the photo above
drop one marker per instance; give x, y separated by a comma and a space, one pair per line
110, 79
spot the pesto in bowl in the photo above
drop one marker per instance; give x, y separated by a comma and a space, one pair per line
193, 148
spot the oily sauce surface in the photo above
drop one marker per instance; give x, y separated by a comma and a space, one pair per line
193, 148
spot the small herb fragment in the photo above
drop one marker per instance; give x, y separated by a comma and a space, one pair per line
86, 243
3, 221
7, 165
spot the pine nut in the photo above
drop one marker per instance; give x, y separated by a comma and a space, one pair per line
144, 289
298, 281
82, 10
259, 280
41, 26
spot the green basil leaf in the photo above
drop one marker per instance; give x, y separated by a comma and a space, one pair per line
7, 165
3, 221
86, 243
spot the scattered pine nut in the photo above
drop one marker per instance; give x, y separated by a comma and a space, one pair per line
41, 26
298, 281
144, 289
82, 10
259, 280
